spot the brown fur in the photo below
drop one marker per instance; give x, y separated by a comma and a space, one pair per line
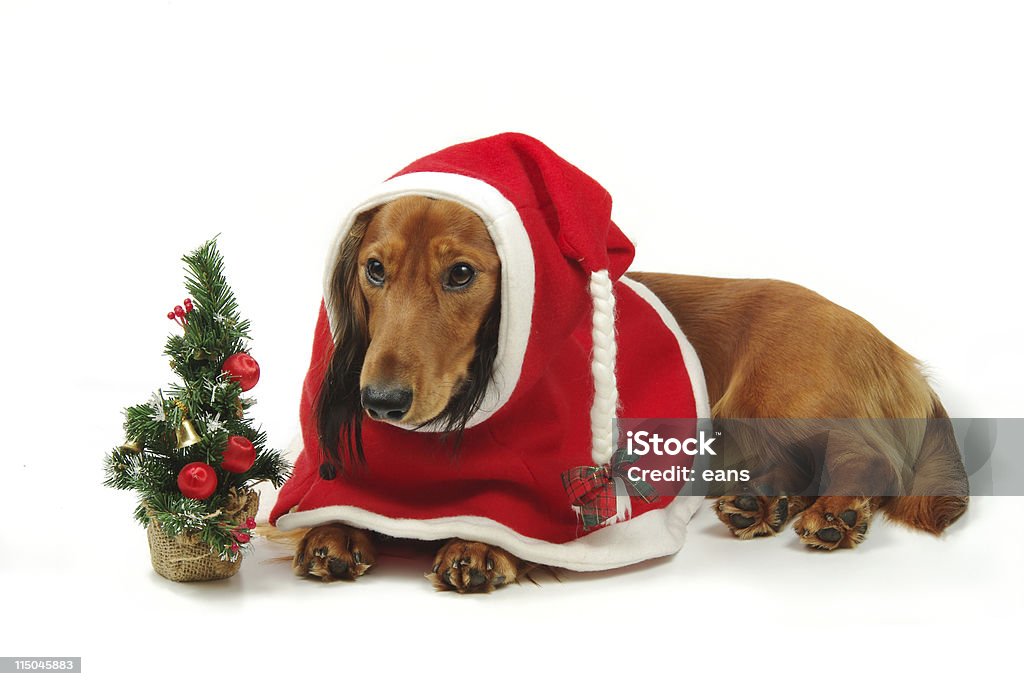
769, 349
777, 350
470, 567
440, 234
412, 332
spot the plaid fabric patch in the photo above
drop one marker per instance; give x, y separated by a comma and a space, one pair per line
583, 484
591, 489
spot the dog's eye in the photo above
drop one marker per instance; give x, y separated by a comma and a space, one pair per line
375, 272
459, 276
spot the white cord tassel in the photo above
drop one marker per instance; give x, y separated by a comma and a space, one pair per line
606, 391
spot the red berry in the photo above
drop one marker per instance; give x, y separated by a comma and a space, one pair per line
234, 547
250, 523
243, 369
178, 311
188, 305
197, 480
242, 537
239, 455
170, 315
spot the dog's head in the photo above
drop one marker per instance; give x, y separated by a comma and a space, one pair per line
415, 294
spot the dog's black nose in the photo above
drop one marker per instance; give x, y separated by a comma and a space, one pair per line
386, 403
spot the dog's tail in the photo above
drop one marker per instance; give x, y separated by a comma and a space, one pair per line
275, 535
938, 494
291, 539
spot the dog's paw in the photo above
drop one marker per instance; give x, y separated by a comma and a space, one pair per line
467, 567
834, 522
334, 552
753, 516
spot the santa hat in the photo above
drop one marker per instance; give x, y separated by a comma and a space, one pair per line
562, 374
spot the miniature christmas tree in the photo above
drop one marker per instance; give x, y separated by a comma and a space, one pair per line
190, 453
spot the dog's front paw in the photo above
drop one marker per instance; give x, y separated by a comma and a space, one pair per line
834, 522
334, 552
467, 567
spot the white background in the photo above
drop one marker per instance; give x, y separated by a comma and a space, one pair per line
871, 151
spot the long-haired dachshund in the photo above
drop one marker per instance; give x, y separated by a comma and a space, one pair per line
419, 280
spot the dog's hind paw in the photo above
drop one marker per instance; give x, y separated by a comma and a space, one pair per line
468, 567
334, 552
753, 516
835, 522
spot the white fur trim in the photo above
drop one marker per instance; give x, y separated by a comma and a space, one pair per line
602, 366
690, 359
623, 502
517, 270
653, 534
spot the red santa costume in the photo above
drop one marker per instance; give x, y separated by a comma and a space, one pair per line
579, 345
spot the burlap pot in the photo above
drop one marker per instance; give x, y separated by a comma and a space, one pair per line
185, 558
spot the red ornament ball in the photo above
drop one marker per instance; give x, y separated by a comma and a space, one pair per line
243, 369
197, 480
239, 456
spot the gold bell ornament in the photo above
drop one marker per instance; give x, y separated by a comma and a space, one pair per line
186, 434
133, 447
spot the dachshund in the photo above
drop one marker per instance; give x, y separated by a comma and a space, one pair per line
418, 280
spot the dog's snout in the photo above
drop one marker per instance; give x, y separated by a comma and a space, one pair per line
386, 403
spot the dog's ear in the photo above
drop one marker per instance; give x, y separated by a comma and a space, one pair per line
339, 410
464, 404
